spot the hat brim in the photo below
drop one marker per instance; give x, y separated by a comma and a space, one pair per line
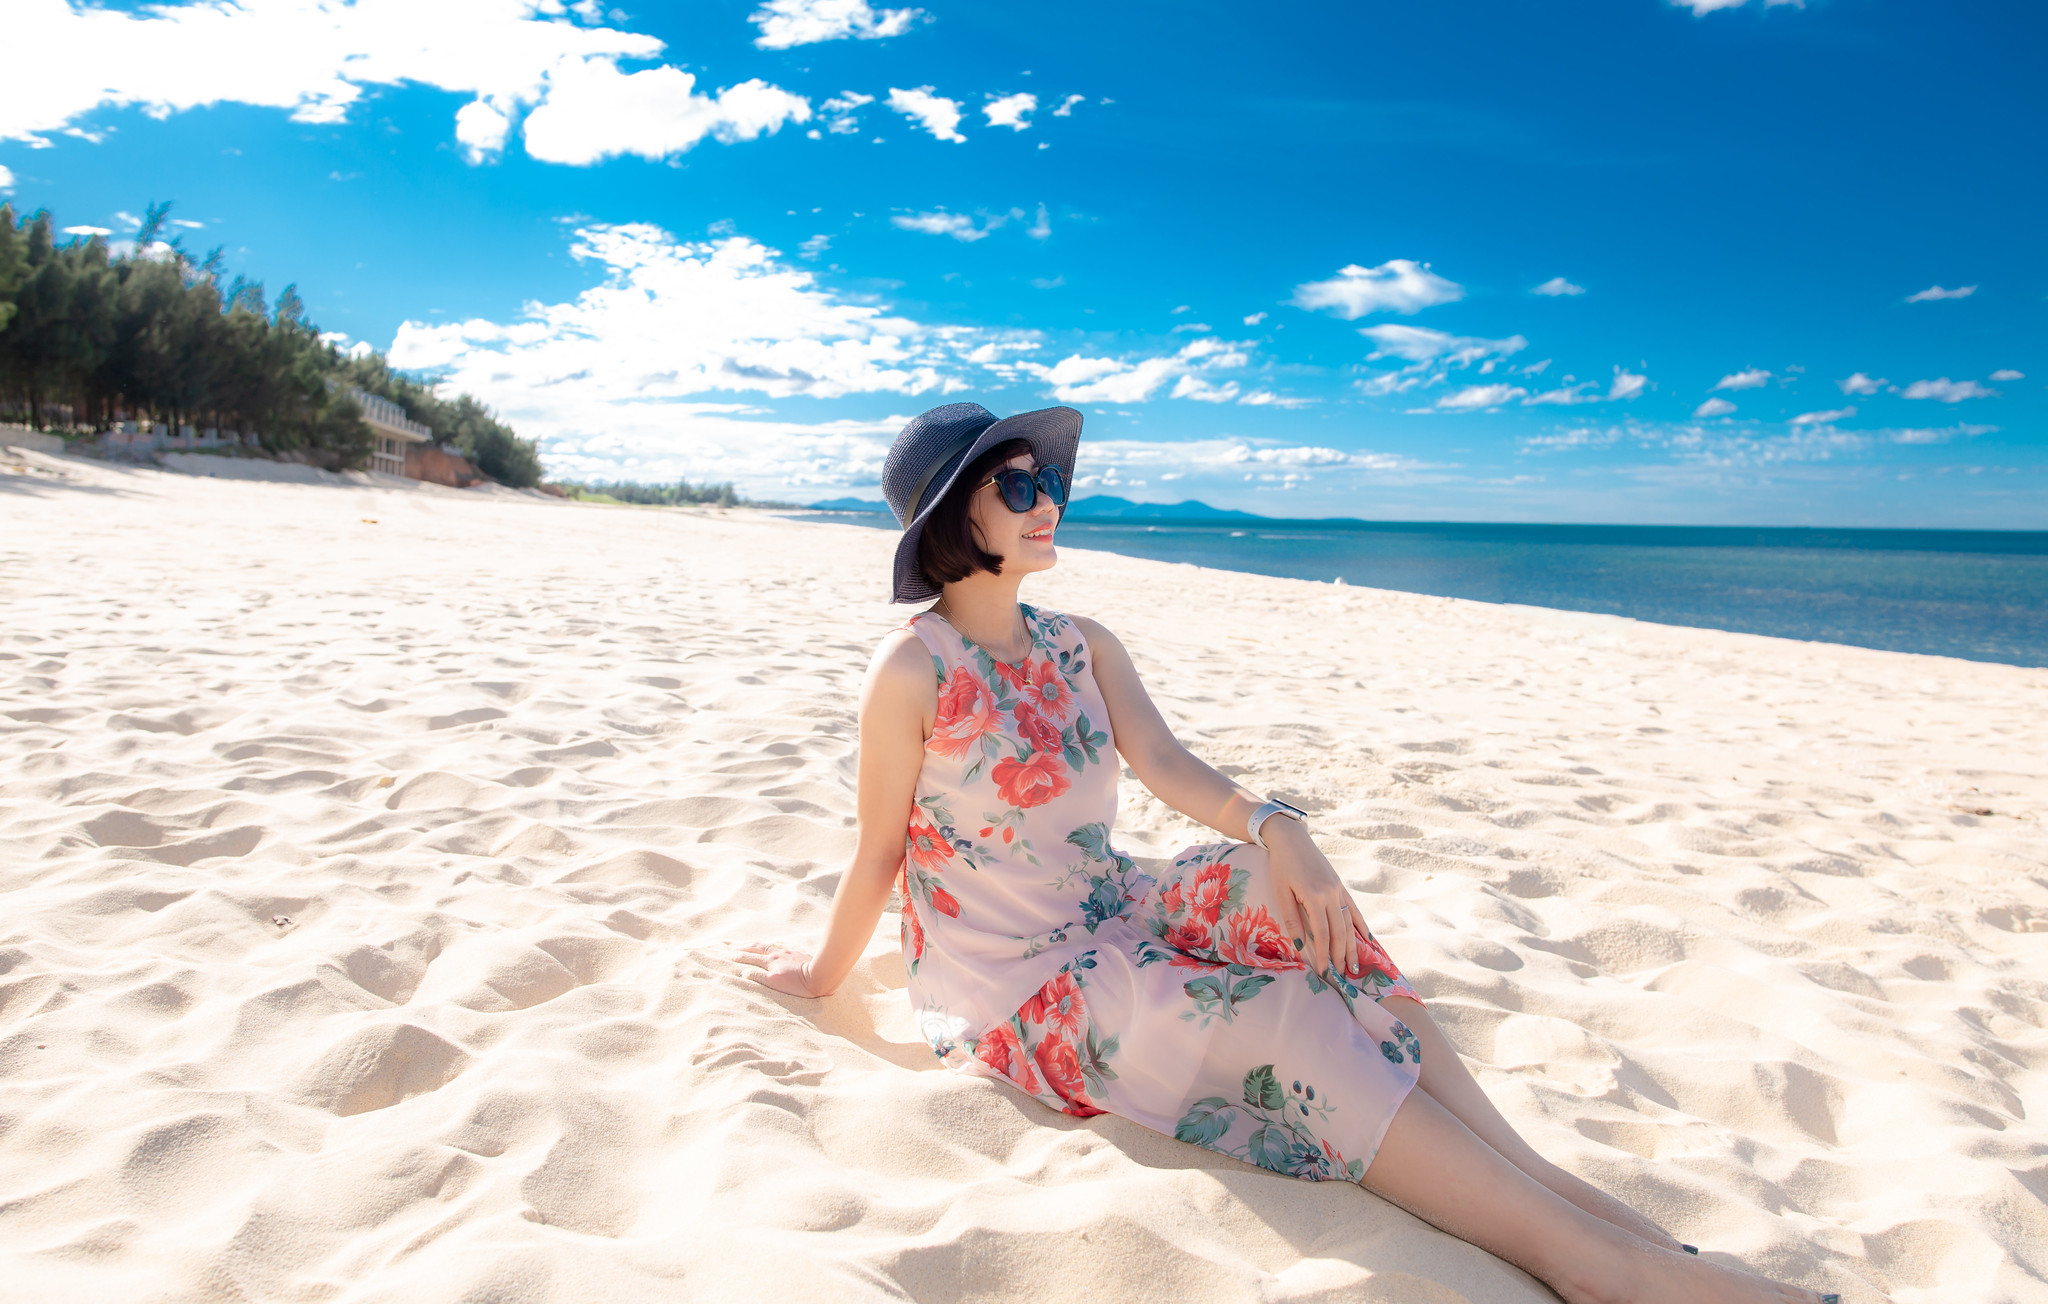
1055, 437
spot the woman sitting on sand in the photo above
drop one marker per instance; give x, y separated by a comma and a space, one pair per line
1238, 1002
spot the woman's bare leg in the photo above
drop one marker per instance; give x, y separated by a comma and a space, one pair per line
1445, 1078
1435, 1167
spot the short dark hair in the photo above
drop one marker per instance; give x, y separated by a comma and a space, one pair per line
948, 551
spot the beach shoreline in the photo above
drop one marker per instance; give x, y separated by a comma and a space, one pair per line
369, 846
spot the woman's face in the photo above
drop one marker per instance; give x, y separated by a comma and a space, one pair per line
1022, 539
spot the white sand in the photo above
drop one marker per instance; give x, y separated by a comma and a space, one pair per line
351, 877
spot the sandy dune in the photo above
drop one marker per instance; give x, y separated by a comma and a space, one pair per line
352, 877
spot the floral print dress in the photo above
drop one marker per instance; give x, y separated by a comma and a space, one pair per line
1040, 954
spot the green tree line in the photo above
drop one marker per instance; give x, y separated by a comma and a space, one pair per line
655, 495
155, 334
681, 493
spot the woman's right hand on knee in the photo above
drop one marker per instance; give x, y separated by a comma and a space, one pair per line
1316, 906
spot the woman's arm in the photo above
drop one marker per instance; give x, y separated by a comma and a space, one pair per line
897, 704
1303, 878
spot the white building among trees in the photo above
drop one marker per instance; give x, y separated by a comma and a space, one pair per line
393, 431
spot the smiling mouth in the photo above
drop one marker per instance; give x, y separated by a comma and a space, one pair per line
1044, 532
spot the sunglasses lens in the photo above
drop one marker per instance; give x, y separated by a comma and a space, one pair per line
1054, 484
1019, 491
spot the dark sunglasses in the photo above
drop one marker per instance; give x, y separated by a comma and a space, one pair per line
1020, 489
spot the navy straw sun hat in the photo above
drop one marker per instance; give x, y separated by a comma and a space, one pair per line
932, 451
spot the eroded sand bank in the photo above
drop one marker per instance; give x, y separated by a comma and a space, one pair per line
351, 875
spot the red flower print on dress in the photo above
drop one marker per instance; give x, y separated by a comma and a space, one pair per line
1041, 733
1211, 893
913, 932
966, 712
1376, 958
1001, 1051
1170, 899
1016, 676
1033, 781
1057, 1005
924, 847
1047, 690
1257, 941
1061, 1065
943, 902
1188, 935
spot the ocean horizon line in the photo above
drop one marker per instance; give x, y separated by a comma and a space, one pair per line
1104, 509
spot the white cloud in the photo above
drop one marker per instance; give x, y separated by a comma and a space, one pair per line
1476, 398
593, 111
1934, 292
87, 230
1111, 463
1255, 318
1937, 436
814, 246
1042, 228
962, 227
675, 321
6, 178
840, 112
481, 128
2008, 374
1565, 395
1744, 443
1066, 108
1860, 384
1714, 407
1010, 110
1826, 418
1420, 344
1557, 285
1701, 8
1627, 385
1081, 379
1754, 378
958, 225
1431, 355
1398, 285
314, 58
1948, 391
1202, 391
935, 113
785, 23
1267, 398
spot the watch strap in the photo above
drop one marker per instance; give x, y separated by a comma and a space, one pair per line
1266, 811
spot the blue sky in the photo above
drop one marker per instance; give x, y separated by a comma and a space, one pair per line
1623, 260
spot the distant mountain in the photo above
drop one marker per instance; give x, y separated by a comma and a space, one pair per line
1105, 507
851, 505
1096, 507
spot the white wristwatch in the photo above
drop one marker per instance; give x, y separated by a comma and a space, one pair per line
1266, 812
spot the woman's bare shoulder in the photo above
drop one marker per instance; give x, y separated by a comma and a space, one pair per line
902, 662
1095, 632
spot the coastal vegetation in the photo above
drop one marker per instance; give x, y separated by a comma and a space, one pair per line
92, 333
681, 493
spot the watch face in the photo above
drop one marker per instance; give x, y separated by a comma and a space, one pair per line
1285, 809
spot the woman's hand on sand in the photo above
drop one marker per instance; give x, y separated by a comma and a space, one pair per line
1307, 886
776, 966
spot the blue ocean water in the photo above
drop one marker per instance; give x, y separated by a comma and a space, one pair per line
1976, 594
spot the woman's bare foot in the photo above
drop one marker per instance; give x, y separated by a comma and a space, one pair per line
1655, 1275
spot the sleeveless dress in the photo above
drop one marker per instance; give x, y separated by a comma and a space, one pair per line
1040, 954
